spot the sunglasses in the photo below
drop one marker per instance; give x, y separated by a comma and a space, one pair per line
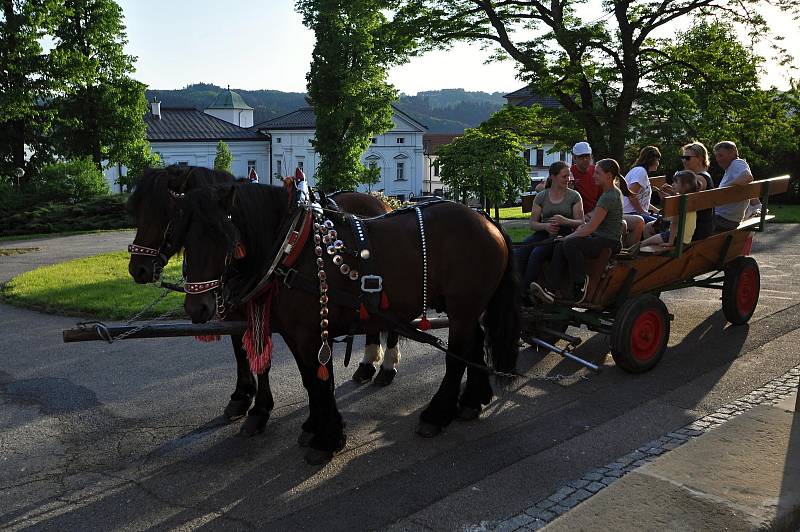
687, 157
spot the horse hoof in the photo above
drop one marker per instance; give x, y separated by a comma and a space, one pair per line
304, 440
467, 413
318, 456
236, 408
253, 425
428, 430
364, 373
385, 376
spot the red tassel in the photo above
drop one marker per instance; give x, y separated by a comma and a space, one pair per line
239, 251
322, 372
424, 324
259, 346
363, 315
208, 338
384, 301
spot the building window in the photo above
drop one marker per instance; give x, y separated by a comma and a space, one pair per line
374, 140
562, 156
401, 167
300, 165
401, 140
527, 156
539, 157
436, 169
277, 140
278, 168
251, 166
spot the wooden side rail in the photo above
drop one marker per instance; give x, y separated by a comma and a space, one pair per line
698, 201
657, 181
527, 202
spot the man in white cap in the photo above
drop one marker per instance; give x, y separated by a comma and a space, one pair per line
583, 173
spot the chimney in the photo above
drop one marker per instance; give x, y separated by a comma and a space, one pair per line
155, 108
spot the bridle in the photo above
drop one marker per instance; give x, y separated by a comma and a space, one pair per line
217, 285
165, 250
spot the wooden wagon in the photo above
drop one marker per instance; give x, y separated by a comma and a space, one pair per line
623, 294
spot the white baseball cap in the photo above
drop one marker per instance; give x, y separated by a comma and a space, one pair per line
582, 148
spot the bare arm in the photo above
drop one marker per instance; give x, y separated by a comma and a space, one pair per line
590, 227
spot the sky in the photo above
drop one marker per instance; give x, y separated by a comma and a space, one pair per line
262, 44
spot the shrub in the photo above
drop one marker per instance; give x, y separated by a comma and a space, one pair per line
71, 181
100, 212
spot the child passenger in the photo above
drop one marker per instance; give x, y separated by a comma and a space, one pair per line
684, 182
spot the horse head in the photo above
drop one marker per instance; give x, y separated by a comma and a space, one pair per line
227, 232
152, 205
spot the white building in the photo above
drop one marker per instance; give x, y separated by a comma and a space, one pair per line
186, 136
433, 185
398, 153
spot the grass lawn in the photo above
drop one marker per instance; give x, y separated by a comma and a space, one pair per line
16, 238
518, 234
786, 214
97, 287
513, 213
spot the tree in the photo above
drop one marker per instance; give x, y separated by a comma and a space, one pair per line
485, 164
224, 158
371, 176
140, 159
100, 113
534, 125
721, 101
24, 85
355, 44
595, 69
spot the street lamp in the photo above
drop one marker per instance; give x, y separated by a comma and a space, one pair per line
19, 173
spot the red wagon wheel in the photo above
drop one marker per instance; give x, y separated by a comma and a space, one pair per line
740, 290
640, 333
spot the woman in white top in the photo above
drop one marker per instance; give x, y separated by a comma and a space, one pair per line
638, 180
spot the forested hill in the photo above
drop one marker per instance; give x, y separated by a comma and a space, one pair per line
443, 111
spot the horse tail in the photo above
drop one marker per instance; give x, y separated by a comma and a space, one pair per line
502, 318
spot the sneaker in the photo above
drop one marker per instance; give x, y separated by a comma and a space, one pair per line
542, 293
581, 289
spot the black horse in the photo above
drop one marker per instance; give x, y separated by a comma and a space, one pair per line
153, 204
459, 264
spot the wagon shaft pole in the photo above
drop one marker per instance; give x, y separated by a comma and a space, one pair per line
98, 332
89, 333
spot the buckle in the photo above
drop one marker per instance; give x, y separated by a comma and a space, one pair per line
288, 276
371, 283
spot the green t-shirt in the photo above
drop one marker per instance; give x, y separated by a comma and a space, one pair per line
611, 226
563, 207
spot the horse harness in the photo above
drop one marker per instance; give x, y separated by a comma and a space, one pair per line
371, 299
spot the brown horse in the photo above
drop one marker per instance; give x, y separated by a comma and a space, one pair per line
152, 205
469, 275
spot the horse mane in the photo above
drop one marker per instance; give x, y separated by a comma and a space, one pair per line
151, 191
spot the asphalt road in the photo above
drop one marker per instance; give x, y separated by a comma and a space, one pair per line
128, 436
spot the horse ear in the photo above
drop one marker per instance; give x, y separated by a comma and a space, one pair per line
227, 197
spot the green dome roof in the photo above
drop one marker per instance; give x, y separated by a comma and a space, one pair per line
228, 99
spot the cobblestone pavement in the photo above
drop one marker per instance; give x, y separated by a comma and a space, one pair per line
540, 513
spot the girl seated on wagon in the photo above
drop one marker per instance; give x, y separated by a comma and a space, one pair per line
684, 182
557, 210
603, 231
